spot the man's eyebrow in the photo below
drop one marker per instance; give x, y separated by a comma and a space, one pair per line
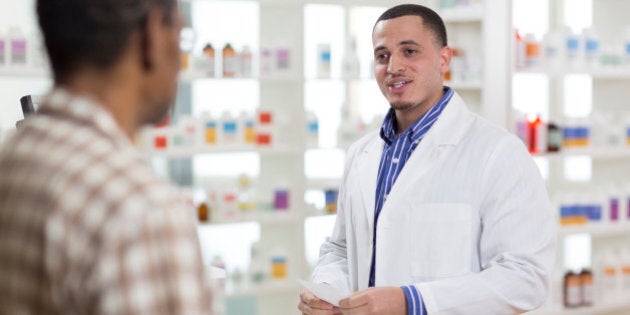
402, 43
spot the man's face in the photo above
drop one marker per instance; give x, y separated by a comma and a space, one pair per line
166, 70
408, 64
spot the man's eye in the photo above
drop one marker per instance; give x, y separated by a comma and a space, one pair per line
381, 57
411, 51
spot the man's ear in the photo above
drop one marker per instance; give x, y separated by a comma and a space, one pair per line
446, 53
151, 37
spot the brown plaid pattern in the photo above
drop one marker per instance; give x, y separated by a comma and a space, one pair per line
86, 227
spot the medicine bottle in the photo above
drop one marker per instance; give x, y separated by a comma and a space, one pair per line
245, 62
554, 137
229, 61
571, 289
209, 55
586, 287
202, 212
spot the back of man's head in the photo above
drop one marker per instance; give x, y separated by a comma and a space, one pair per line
84, 33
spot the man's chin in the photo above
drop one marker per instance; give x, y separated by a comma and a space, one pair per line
400, 105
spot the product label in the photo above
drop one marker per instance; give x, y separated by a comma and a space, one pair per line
592, 46
229, 66
573, 296
573, 45
587, 294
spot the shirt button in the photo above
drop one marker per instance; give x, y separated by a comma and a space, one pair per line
395, 160
385, 197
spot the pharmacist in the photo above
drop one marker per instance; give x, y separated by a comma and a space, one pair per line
440, 212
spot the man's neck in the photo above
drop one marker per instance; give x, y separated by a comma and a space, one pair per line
112, 92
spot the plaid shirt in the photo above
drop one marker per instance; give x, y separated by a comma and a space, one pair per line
86, 227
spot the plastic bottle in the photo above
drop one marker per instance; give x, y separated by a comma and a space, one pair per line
210, 125
210, 55
229, 133
229, 61
553, 49
533, 52
536, 135
257, 270
283, 59
247, 127
572, 48
281, 199
457, 68
323, 61
245, 194
279, 266
614, 205
312, 129
591, 47
608, 276
17, 47
352, 66
245, 62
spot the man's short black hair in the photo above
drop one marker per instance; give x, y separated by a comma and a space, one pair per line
430, 19
79, 33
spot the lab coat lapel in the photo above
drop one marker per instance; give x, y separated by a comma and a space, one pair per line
443, 135
367, 165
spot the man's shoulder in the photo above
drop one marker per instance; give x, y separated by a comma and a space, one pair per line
364, 141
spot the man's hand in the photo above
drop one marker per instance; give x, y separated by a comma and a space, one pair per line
312, 305
383, 300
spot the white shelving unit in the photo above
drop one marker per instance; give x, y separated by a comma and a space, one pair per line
608, 164
616, 308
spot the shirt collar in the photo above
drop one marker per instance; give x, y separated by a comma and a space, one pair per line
83, 109
388, 128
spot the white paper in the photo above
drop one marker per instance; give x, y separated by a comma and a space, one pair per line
325, 292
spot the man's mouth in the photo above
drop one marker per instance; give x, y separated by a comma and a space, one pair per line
398, 85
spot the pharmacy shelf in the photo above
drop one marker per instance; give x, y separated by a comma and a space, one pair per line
190, 76
463, 14
595, 153
613, 308
613, 73
468, 86
323, 183
263, 217
598, 230
28, 73
188, 152
268, 287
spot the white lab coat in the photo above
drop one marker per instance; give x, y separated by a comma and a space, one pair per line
468, 221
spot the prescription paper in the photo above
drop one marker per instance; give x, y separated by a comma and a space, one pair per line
325, 292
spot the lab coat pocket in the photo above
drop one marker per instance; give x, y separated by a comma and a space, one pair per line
441, 237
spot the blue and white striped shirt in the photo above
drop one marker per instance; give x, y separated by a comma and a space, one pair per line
396, 152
